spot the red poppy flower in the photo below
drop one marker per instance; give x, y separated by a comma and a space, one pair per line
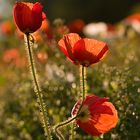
42, 57
98, 116
6, 27
28, 16
133, 17
76, 26
13, 56
82, 51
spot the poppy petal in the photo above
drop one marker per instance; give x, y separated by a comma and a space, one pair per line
89, 51
66, 44
98, 115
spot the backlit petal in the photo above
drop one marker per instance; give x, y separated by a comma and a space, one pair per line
89, 51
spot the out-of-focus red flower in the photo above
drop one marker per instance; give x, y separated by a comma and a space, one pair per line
6, 27
49, 33
133, 17
13, 56
28, 16
42, 57
133, 21
82, 51
98, 116
21, 62
111, 27
45, 25
10, 55
76, 26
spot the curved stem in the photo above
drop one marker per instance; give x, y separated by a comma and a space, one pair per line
56, 128
83, 91
37, 88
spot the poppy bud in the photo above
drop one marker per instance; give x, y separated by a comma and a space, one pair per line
28, 16
97, 115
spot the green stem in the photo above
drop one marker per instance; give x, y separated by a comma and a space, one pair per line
72, 131
83, 91
56, 128
37, 88
83, 85
83, 77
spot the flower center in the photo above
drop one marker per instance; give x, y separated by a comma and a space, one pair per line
84, 114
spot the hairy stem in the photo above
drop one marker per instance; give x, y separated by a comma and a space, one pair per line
37, 88
83, 91
83, 85
57, 127
72, 131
